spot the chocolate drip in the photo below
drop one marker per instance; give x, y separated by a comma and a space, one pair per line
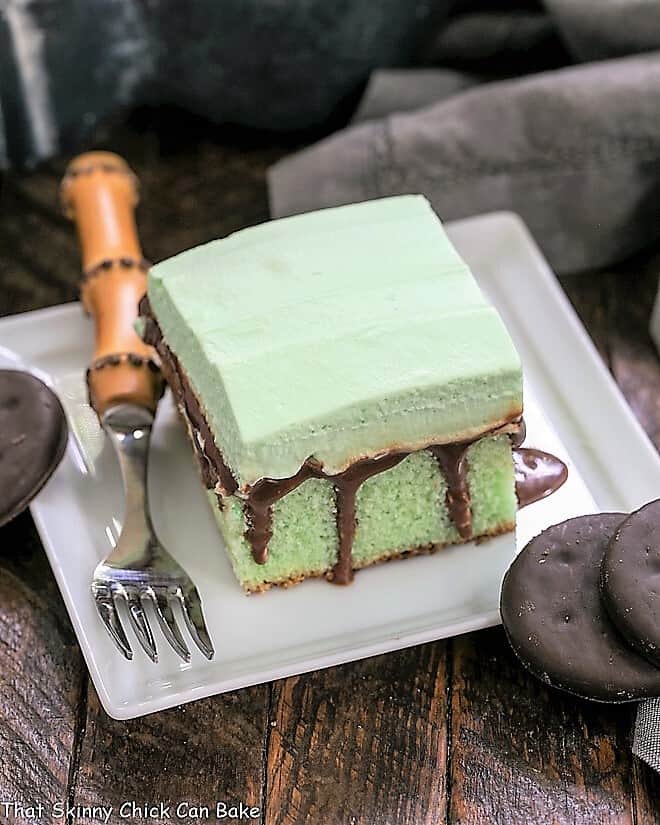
452, 459
259, 503
346, 485
346, 492
518, 436
259, 507
538, 474
212, 464
262, 495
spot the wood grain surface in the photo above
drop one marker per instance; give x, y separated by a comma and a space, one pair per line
42, 675
448, 732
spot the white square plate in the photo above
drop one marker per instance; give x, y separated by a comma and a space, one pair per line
572, 408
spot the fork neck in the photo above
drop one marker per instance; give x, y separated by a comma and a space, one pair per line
129, 429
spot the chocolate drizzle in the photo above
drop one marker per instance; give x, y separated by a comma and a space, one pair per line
259, 507
262, 495
213, 468
537, 473
259, 500
452, 459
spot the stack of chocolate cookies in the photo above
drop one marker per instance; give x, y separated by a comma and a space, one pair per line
581, 605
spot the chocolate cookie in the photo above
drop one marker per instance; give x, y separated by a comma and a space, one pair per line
630, 580
33, 436
556, 623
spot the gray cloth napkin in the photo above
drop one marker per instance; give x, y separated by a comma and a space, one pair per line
576, 152
646, 742
404, 90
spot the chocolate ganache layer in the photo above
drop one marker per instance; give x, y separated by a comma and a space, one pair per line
537, 473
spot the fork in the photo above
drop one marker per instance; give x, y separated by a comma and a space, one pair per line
139, 577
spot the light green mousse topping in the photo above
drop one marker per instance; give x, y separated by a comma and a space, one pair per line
336, 334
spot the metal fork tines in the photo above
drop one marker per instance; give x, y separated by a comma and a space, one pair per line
140, 577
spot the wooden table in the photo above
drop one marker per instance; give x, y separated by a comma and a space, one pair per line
451, 731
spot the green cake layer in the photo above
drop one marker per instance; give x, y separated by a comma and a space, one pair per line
398, 511
338, 334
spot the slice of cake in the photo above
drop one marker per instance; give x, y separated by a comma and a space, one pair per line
350, 394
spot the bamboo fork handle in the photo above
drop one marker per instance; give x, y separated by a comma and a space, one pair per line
99, 193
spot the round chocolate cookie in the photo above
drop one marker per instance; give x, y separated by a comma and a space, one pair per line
556, 623
630, 580
33, 436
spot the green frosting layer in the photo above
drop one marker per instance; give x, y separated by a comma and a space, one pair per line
336, 334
